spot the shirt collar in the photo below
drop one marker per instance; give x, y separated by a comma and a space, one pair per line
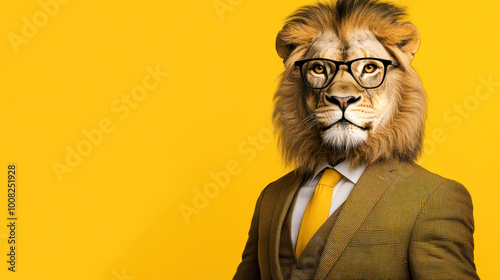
344, 168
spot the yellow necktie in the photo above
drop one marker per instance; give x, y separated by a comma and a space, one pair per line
317, 209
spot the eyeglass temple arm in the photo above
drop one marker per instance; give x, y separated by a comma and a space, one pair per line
395, 63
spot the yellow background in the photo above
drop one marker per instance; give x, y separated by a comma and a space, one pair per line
116, 215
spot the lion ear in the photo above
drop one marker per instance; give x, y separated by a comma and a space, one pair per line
283, 47
408, 39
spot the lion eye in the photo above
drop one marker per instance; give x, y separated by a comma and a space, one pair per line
370, 68
319, 69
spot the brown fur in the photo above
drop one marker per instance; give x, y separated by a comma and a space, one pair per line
401, 137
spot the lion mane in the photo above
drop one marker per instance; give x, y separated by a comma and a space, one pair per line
401, 135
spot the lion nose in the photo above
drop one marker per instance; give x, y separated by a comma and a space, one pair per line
342, 102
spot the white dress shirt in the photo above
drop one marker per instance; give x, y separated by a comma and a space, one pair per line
340, 192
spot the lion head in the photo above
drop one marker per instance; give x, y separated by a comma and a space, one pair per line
348, 91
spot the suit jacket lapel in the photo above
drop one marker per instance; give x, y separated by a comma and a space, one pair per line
364, 196
283, 203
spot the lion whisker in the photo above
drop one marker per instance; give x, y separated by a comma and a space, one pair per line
310, 121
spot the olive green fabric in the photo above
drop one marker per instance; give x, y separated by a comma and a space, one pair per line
287, 258
399, 222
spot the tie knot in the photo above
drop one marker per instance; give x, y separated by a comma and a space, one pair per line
330, 178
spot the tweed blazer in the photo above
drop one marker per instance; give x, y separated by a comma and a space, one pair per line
399, 222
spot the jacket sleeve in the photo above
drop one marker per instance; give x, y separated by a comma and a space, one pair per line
249, 266
441, 244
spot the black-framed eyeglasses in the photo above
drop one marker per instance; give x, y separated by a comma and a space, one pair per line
369, 73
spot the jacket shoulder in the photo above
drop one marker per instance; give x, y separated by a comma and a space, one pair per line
285, 180
413, 175
413, 171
